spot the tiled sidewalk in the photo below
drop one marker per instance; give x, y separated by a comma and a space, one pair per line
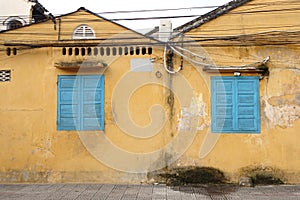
145, 192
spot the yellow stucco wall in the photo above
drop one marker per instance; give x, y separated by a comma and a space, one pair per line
33, 150
276, 146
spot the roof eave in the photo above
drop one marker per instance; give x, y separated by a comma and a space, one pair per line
210, 15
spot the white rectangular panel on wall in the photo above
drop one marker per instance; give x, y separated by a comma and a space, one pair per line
141, 65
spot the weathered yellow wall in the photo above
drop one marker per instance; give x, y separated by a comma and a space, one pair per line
32, 150
276, 147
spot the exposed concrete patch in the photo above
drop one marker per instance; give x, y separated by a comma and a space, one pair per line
197, 109
282, 115
282, 98
292, 99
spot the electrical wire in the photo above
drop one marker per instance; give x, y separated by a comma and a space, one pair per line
190, 52
200, 63
178, 16
165, 62
238, 40
198, 38
174, 9
194, 34
189, 59
134, 11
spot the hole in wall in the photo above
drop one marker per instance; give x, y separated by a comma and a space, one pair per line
70, 51
8, 51
64, 51
95, 51
76, 51
83, 51
120, 51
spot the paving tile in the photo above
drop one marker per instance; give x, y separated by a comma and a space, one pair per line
60, 192
89, 192
145, 192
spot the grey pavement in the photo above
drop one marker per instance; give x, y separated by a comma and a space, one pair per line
146, 192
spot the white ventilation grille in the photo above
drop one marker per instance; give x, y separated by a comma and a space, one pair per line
83, 32
4, 75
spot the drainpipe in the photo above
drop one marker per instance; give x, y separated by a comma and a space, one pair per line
59, 27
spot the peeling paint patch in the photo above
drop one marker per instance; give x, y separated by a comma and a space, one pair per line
197, 109
184, 161
255, 139
44, 149
283, 115
286, 99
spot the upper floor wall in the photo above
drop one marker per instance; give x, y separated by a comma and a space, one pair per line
261, 21
73, 27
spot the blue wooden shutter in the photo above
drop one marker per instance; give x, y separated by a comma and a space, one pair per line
80, 103
92, 103
235, 104
222, 104
68, 103
247, 104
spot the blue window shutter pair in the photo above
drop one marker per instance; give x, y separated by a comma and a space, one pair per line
235, 104
80, 102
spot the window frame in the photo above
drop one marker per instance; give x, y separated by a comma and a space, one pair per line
14, 22
233, 96
83, 36
78, 83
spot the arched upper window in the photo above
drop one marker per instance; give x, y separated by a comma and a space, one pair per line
14, 24
83, 32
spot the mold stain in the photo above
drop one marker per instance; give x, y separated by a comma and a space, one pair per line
263, 175
191, 175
